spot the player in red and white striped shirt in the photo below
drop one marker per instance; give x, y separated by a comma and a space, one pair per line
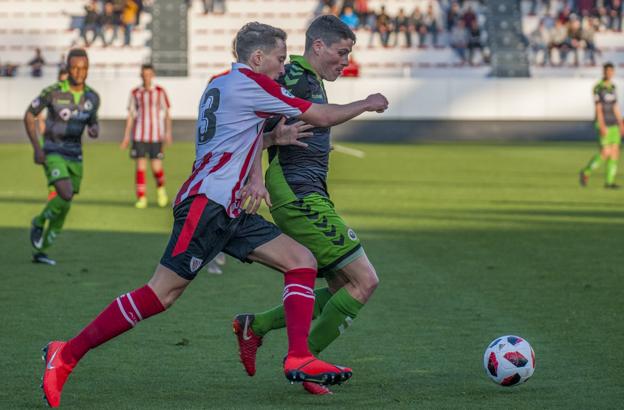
210, 213
149, 126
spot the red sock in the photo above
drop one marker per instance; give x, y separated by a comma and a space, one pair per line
298, 308
160, 178
140, 183
120, 316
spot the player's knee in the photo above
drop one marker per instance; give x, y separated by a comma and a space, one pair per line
302, 258
369, 283
66, 195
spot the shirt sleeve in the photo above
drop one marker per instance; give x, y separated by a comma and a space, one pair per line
165, 99
93, 119
269, 98
132, 104
44, 100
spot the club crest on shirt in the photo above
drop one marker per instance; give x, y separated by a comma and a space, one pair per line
65, 114
35, 103
287, 93
195, 263
88, 105
352, 234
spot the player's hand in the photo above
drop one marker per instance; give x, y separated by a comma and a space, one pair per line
377, 103
603, 131
39, 157
290, 134
93, 130
253, 193
168, 139
124, 143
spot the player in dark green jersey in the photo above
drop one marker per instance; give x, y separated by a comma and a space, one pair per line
297, 182
71, 106
609, 127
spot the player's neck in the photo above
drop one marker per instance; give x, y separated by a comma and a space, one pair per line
147, 86
314, 63
77, 88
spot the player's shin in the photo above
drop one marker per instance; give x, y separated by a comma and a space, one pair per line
337, 316
298, 299
57, 220
274, 318
120, 316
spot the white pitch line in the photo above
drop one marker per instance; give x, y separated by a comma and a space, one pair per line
349, 151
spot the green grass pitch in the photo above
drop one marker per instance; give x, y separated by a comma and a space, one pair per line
471, 241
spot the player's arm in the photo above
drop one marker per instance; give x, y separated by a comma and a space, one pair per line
30, 123
254, 190
283, 134
168, 132
600, 119
93, 125
328, 115
618, 116
130, 118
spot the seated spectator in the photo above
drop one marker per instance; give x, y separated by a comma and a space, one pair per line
432, 24
108, 23
418, 22
474, 42
453, 16
214, 6
558, 37
539, 40
90, 23
383, 26
128, 20
588, 31
459, 40
349, 18
575, 37
362, 11
402, 24
615, 13
36, 64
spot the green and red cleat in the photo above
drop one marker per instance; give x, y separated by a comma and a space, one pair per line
55, 373
248, 341
583, 178
311, 369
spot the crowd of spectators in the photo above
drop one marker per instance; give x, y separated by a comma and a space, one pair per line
569, 27
433, 23
103, 19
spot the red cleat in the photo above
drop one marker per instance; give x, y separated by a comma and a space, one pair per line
311, 369
315, 388
248, 341
55, 373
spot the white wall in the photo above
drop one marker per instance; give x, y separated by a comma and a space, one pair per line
410, 98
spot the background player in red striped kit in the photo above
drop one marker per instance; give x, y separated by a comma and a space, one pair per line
148, 125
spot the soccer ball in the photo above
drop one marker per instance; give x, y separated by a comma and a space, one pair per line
509, 360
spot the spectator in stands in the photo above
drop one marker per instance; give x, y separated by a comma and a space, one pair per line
36, 64
558, 38
432, 24
539, 40
459, 40
575, 37
469, 17
383, 26
350, 18
588, 39
475, 42
214, 6
402, 24
361, 9
453, 16
108, 25
605, 20
418, 22
565, 14
90, 22
615, 13
128, 20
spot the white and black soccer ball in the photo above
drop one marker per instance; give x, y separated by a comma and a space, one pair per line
509, 360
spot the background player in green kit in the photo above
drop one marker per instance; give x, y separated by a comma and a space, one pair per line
296, 180
609, 127
71, 106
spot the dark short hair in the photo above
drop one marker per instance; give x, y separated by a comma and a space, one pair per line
76, 52
330, 29
147, 66
607, 66
256, 36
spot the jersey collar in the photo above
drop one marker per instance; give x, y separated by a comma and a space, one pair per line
238, 66
305, 64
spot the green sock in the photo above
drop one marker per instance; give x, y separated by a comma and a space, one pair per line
594, 163
611, 170
56, 210
337, 315
275, 319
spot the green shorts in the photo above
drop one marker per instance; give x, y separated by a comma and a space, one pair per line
57, 168
314, 223
613, 136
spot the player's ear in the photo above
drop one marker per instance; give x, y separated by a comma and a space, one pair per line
317, 46
256, 58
